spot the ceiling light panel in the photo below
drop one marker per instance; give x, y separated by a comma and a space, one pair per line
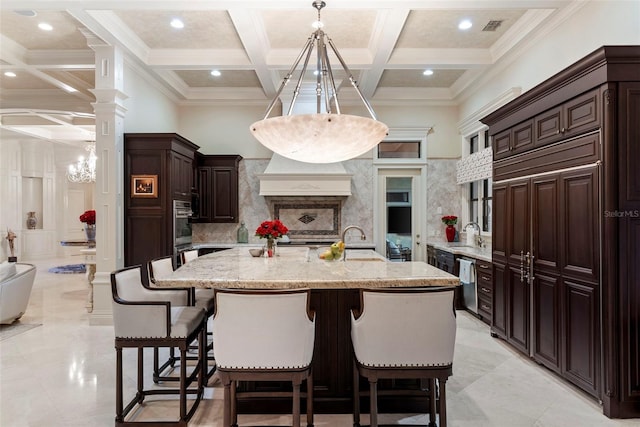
199, 31
228, 78
24, 31
347, 28
438, 29
414, 78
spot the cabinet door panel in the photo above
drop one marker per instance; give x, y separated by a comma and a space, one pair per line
548, 125
582, 113
518, 306
522, 137
545, 224
499, 302
518, 220
581, 358
579, 224
204, 190
546, 321
501, 144
499, 222
225, 195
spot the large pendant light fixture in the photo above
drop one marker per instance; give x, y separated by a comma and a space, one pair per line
84, 171
326, 136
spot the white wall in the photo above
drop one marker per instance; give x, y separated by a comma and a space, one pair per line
148, 108
597, 23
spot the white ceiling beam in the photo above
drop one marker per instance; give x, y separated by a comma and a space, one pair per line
387, 29
252, 33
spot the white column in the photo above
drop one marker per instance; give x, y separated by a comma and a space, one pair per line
109, 112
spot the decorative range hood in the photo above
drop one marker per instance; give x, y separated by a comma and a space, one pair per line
286, 177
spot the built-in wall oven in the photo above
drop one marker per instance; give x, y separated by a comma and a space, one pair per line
181, 224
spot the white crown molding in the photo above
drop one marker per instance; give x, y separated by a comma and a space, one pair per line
472, 124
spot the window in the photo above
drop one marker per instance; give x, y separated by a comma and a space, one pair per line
399, 150
480, 203
473, 144
480, 191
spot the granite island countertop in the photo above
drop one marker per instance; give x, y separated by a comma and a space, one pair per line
300, 267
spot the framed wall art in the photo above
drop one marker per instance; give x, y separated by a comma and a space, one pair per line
144, 186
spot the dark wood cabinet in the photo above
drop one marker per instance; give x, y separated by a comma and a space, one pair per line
566, 226
484, 284
513, 140
573, 117
446, 261
148, 230
218, 188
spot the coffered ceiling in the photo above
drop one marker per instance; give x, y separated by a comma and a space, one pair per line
387, 45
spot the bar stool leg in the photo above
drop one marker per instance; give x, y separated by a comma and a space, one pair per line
356, 395
310, 400
234, 404
432, 402
443, 401
296, 402
227, 402
373, 399
119, 398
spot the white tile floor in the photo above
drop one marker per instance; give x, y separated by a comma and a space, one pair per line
62, 373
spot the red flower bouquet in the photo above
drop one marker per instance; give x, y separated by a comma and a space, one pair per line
89, 217
271, 229
450, 219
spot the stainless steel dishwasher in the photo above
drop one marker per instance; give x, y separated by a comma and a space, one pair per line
469, 284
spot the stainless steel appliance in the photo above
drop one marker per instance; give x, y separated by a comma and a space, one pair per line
468, 281
181, 223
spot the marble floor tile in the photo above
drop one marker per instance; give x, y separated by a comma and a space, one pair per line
61, 373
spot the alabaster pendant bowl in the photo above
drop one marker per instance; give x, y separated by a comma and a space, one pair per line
319, 138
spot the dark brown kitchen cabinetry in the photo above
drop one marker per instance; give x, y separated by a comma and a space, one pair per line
218, 188
566, 227
484, 286
148, 229
513, 140
573, 117
446, 261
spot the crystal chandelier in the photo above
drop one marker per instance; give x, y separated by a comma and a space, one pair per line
84, 171
326, 136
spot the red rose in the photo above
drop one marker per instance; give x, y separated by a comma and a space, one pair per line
89, 217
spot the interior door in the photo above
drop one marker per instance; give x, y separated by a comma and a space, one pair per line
74, 229
401, 207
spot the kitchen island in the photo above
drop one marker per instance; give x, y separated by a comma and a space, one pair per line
334, 292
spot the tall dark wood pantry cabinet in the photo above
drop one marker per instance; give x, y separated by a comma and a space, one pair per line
566, 225
148, 228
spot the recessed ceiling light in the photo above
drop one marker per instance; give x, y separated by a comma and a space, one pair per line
216, 73
465, 24
45, 27
427, 72
177, 23
10, 74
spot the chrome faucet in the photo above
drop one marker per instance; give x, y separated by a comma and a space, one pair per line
478, 240
344, 232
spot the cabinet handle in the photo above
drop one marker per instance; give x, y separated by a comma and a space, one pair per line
531, 277
521, 266
563, 130
487, 278
484, 266
486, 290
485, 307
